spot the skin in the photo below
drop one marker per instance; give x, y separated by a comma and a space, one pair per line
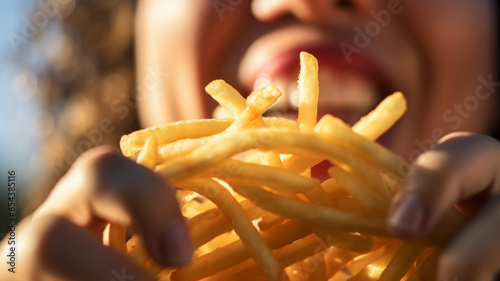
434, 58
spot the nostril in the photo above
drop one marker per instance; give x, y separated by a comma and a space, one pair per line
344, 4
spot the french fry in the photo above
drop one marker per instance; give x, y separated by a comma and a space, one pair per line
383, 117
308, 92
149, 155
269, 218
114, 237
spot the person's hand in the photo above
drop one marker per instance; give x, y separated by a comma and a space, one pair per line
463, 169
62, 240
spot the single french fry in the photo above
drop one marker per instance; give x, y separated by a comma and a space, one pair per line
149, 154
114, 237
136, 251
308, 92
170, 132
384, 116
269, 221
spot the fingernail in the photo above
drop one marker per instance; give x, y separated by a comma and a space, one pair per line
176, 246
409, 215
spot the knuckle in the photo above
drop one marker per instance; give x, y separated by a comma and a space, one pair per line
100, 159
99, 167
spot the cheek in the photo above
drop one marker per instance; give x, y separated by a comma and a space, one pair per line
458, 48
166, 47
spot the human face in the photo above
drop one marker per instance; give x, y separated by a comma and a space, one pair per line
432, 51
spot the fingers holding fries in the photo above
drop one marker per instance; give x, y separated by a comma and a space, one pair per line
105, 186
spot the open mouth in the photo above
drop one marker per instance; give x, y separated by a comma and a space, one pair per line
347, 90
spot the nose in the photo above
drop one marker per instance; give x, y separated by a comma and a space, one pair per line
312, 11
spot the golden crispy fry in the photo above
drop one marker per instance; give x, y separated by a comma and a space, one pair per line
136, 251
170, 132
114, 237
149, 154
335, 130
270, 220
308, 92
384, 116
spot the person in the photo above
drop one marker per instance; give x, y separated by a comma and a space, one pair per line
440, 54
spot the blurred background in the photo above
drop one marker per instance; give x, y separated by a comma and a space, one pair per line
63, 63
19, 108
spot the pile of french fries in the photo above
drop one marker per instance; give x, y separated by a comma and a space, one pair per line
253, 210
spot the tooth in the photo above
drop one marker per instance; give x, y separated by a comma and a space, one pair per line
293, 94
345, 91
262, 81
